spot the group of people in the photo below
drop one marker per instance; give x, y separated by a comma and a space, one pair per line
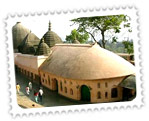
38, 95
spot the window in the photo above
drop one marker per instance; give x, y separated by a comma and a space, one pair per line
71, 91
31, 75
65, 81
43, 80
65, 90
61, 86
44, 74
36, 77
114, 93
98, 85
98, 95
106, 84
106, 94
49, 80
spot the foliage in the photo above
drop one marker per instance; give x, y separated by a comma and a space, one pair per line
128, 46
100, 24
116, 47
121, 47
75, 35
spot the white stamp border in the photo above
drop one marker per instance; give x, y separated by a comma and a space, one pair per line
138, 102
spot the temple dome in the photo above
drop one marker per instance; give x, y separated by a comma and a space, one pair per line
51, 38
29, 44
19, 32
43, 48
86, 62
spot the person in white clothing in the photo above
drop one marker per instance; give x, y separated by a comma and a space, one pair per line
30, 86
27, 90
40, 94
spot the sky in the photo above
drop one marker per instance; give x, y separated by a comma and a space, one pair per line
61, 24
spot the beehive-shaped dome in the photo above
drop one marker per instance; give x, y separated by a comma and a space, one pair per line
29, 44
43, 48
51, 38
19, 32
28, 48
86, 62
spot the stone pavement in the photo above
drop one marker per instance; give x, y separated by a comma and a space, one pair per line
24, 102
50, 98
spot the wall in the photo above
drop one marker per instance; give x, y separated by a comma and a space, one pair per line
111, 83
29, 61
29, 64
75, 85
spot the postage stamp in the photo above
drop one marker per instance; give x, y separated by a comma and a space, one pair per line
74, 60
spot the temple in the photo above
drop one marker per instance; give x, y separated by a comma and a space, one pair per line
77, 71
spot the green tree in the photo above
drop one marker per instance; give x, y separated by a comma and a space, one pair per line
128, 46
101, 24
77, 36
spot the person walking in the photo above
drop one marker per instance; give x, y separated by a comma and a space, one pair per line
30, 86
36, 96
27, 90
40, 94
18, 88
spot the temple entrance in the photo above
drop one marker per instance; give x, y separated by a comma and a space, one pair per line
55, 84
85, 93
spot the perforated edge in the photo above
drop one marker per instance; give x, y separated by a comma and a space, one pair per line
13, 15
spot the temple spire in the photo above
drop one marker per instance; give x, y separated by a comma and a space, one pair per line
49, 25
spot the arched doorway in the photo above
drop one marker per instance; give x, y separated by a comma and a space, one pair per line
55, 84
114, 93
85, 93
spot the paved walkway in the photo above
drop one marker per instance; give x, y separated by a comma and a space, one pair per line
25, 102
50, 98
